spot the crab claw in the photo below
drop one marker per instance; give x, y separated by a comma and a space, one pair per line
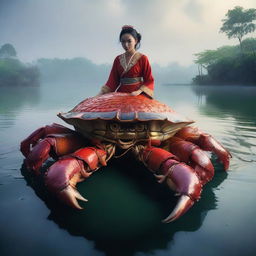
69, 195
63, 175
183, 205
61, 179
179, 177
185, 181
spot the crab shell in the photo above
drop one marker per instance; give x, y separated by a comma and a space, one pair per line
124, 119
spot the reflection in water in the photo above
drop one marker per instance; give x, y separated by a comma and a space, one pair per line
125, 202
234, 102
124, 214
12, 100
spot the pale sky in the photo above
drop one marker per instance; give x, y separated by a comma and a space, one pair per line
172, 30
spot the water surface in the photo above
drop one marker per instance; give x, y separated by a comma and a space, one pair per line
125, 208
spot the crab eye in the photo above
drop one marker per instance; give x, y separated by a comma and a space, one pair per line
114, 127
140, 127
132, 129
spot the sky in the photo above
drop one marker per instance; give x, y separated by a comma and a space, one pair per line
172, 30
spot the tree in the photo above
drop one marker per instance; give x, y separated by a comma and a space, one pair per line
249, 46
225, 65
209, 57
238, 23
7, 51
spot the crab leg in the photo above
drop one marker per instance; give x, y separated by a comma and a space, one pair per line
178, 176
205, 142
52, 146
63, 175
49, 141
41, 133
192, 155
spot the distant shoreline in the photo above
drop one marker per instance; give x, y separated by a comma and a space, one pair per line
205, 85
172, 84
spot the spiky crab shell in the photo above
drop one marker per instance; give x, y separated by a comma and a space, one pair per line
92, 116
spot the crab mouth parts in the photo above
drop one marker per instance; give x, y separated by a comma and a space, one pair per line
125, 142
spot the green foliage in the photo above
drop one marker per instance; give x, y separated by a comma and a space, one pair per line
227, 65
249, 45
7, 51
239, 22
15, 73
209, 57
234, 70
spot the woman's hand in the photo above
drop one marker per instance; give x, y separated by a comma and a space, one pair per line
103, 90
136, 93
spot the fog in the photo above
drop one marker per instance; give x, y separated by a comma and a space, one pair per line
172, 30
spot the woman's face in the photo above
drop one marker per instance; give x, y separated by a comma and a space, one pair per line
128, 42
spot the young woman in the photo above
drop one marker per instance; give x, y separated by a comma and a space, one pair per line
131, 71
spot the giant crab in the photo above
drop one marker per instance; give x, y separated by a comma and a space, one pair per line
113, 124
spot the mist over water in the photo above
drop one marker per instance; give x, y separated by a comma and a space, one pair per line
73, 44
126, 205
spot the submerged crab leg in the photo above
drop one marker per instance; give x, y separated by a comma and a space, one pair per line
205, 142
178, 176
63, 175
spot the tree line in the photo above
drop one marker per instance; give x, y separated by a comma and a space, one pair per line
231, 64
225, 65
13, 72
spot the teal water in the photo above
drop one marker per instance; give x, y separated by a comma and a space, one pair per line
126, 205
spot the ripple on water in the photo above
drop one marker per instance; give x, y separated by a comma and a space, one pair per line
230, 123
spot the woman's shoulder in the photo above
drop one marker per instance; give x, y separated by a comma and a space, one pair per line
118, 57
142, 57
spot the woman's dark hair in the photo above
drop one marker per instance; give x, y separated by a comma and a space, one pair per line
133, 32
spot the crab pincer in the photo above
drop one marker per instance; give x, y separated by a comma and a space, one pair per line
179, 177
62, 177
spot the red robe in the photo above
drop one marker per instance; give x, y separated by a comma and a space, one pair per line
138, 75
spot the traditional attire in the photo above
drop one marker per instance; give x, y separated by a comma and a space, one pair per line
130, 77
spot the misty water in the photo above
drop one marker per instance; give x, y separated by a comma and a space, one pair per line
126, 205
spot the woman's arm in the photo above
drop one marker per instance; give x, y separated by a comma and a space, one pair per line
148, 85
113, 80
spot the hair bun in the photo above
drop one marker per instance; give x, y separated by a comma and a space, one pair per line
127, 27
131, 30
